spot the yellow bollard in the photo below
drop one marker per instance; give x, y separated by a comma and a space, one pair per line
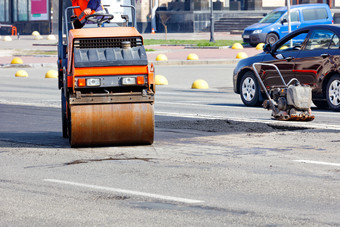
17, 61
38, 37
192, 57
260, 46
51, 37
161, 80
7, 39
52, 74
237, 46
161, 57
241, 55
21, 73
35, 33
199, 84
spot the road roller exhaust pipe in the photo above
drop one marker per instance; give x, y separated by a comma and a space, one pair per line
107, 86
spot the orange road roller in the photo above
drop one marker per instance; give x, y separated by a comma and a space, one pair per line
107, 86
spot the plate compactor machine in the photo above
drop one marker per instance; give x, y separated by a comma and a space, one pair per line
107, 88
288, 102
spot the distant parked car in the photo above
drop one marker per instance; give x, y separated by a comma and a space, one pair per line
274, 25
314, 61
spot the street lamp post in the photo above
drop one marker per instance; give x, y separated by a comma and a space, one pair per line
289, 22
211, 23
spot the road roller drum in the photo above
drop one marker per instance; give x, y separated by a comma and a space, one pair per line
112, 124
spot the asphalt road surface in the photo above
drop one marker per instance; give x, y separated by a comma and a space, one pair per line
214, 162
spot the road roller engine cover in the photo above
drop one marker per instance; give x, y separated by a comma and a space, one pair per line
107, 87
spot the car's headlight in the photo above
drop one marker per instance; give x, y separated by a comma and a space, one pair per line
257, 31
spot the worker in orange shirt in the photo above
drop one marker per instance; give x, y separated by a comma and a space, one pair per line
87, 7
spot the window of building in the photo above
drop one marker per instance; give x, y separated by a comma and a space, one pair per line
21, 10
4, 10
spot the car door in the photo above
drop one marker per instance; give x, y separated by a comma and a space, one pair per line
283, 56
295, 23
315, 59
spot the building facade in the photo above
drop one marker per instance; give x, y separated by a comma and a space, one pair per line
183, 15
265, 4
26, 15
194, 15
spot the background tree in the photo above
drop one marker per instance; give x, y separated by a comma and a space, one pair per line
164, 20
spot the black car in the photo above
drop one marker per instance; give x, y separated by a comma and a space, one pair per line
310, 54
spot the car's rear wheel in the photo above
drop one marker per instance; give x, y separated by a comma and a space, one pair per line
271, 38
333, 93
249, 89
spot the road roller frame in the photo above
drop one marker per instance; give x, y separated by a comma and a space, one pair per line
107, 87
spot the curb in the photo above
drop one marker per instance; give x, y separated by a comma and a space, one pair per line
33, 65
190, 46
207, 47
196, 62
35, 56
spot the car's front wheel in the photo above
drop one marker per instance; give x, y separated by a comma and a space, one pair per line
271, 38
333, 93
249, 89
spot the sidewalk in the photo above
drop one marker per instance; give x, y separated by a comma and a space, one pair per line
42, 52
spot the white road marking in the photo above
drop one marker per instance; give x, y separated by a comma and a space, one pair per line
129, 192
58, 105
318, 163
192, 103
187, 103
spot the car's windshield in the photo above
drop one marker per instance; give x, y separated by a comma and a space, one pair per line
272, 17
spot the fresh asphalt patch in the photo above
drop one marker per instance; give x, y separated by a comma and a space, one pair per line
224, 126
42, 126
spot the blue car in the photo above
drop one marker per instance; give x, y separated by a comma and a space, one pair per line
274, 25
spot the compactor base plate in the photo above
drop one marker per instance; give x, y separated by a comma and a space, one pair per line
294, 117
